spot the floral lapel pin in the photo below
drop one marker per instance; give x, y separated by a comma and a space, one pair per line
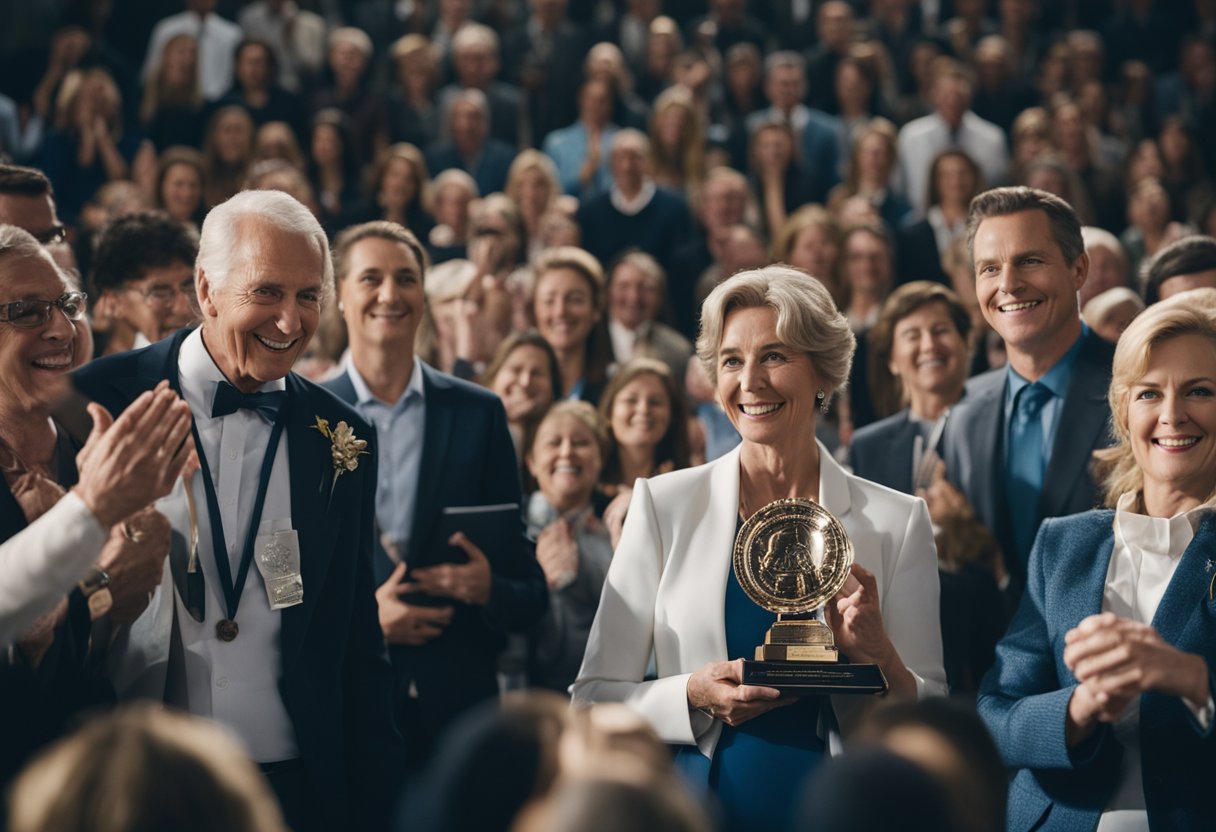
345, 450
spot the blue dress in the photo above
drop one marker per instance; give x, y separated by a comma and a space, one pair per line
760, 767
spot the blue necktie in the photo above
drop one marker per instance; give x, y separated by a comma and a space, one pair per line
229, 400
1025, 464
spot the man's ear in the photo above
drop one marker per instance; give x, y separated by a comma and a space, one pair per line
1081, 270
206, 295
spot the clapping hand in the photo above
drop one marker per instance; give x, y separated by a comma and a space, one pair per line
557, 552
404, 623
128, 463
1116, 659
465, 582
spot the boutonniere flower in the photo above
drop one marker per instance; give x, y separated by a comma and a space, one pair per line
345, 449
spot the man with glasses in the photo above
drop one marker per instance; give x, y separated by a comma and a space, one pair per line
27, 201
143, 272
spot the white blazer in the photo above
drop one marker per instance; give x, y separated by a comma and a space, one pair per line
666, 590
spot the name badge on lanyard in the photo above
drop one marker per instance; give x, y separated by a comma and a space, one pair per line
278, 558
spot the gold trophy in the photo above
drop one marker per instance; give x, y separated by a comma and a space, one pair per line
791, 557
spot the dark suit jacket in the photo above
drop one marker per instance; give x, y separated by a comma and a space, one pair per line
1025, 697
468, 459
335, 681
916, 254
489, 170
882, 451
974, 446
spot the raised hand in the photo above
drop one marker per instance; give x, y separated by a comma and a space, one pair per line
131, 462
557, 552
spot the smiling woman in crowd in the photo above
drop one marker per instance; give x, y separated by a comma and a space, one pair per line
1101, 697
776, 350
647, 424
525, 375
568, 305
572, 545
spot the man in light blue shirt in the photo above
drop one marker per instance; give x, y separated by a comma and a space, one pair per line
443, 443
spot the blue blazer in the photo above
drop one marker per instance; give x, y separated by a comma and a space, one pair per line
468, 459
1024, 698
335, 680
973, 446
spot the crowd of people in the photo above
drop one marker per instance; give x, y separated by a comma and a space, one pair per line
465, 335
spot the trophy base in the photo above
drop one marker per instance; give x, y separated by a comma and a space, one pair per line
801, 678
796, 653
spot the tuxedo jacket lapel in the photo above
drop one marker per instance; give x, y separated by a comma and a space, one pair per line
316, 514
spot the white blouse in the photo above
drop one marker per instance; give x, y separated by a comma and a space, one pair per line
1147, 552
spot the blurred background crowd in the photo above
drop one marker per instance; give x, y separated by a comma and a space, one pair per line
581, 174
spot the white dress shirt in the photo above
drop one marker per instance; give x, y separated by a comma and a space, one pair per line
920, 140
1146, 555
624, 340
400, 430
236, 682
217, 42
42, 563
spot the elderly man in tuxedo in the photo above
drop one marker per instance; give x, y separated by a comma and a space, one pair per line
1019, 446
443, 442
267, 624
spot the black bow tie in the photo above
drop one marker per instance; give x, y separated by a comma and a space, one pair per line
229, 400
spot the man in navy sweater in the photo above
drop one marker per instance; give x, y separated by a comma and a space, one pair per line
635, 212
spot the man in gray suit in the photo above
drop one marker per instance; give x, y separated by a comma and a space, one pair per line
1020, 444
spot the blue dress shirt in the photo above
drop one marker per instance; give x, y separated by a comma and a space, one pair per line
400, 429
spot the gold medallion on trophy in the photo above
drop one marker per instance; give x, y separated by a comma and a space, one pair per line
791, 557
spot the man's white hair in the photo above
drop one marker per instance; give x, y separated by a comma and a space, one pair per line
228, 225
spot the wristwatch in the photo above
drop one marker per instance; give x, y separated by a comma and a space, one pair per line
96, 591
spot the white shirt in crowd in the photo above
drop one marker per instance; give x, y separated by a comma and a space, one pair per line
217, 42
920, 140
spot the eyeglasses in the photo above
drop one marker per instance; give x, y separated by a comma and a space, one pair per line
52, 236
163, 296
31, 314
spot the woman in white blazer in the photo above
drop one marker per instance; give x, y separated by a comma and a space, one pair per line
776, 349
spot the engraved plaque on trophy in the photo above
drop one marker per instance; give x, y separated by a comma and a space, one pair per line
791, 557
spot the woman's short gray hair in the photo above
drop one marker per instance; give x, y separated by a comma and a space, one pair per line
17, 242
224, 224
807, 319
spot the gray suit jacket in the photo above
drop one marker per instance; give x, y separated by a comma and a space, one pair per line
663, 343
974, 447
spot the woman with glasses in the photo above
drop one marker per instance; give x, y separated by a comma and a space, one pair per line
43, 337
144, 272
